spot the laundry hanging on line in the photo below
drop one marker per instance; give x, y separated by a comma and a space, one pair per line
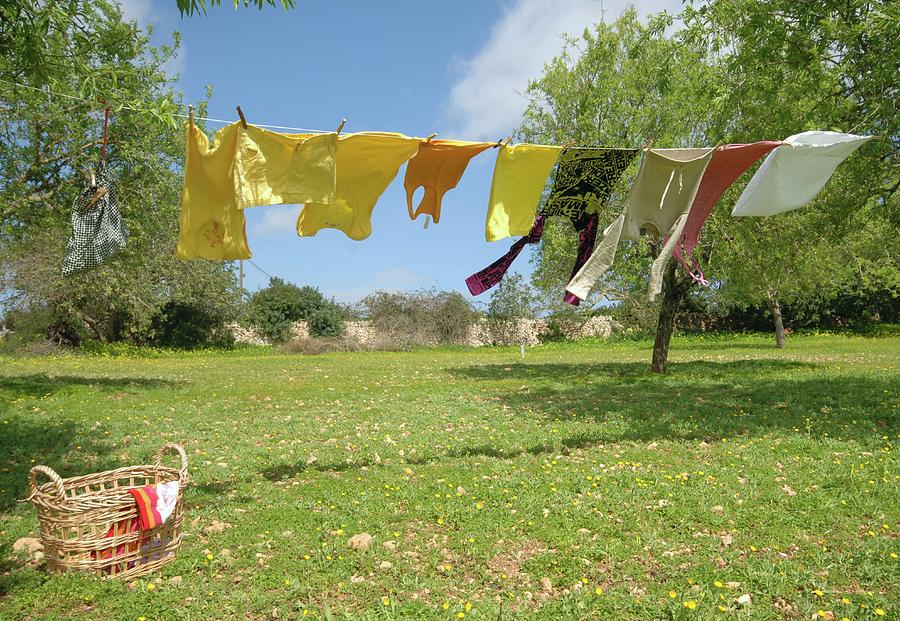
728, 163
273, 168
582, 185
520, 175
437, 167
793, 174
210, 225
672, 196
367, 162
98, 231
658, 205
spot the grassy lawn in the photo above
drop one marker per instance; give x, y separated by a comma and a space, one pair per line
573, 484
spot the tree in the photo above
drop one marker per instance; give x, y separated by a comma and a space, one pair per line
47, 145
788, 66
624, 83
513, 299
739, 71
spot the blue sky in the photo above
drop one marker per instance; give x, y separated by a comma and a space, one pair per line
455, 68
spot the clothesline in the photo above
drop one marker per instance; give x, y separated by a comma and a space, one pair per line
50, 93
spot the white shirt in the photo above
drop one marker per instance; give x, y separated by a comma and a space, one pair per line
794, 173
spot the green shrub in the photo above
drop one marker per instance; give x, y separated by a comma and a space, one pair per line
186, 325
421, 317
326, 321
273, 311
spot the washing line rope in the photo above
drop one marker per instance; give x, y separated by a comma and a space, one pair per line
50, 93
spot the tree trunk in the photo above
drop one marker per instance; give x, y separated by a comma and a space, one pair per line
775, 309
674, 290
95, 327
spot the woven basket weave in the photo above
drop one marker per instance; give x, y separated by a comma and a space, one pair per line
89, 523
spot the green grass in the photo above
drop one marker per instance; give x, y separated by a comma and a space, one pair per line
638, 496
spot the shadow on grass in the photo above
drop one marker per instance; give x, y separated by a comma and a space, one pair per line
66, 445
698, 399
625, 402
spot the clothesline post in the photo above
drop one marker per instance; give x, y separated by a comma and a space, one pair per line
241, 262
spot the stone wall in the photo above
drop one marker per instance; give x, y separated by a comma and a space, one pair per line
486, 332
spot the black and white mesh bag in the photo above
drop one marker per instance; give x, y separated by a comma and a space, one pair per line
97, 228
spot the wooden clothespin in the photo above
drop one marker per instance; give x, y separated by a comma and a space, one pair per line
502, 142
100, 193
648, 145
341, 126
243, 120
431, 137
568, 144
191, 115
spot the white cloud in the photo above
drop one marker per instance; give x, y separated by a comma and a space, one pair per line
275, 220
487, 101
140, 10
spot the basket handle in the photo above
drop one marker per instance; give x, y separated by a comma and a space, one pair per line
183, 471
51, 474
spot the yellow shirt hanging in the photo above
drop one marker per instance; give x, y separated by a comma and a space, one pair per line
367, 162
274, 168
210, 225
520, 175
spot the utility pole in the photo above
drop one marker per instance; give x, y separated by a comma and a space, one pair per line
242, 278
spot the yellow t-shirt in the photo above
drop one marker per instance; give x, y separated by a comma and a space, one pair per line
367, 162
520, 175
210, 225
274, 168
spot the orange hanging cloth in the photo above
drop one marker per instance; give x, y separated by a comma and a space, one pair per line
438, 167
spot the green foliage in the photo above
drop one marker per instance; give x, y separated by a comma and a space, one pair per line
780, 463
186, 325
48, 145
421, 317
192, 7
276, 308
513, 298
621, 84
740, 71
563, 321
326, 321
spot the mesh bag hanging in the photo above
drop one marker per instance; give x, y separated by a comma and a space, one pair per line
97, 228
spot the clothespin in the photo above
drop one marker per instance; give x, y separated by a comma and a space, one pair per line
191, 115
431, 137
341, 126
100, 193
568, 144
648, 145
502, 142
506, 142
427, 221
241, 114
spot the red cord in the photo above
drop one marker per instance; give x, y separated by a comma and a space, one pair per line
105, 123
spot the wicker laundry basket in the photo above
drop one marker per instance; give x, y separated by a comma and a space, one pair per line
89, 523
